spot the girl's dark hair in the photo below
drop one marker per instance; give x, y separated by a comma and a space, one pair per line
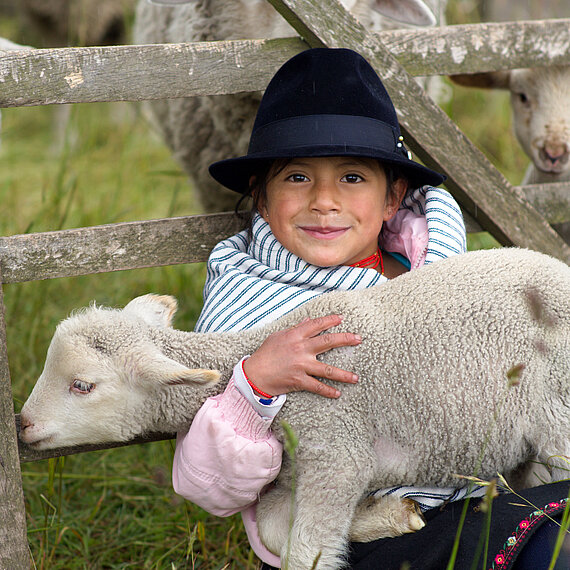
258, 188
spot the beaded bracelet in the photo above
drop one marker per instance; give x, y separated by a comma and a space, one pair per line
254, 387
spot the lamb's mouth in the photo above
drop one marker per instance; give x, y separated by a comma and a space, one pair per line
550, 165
38, 444
557, 168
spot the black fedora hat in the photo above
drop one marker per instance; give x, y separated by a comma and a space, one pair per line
324, 102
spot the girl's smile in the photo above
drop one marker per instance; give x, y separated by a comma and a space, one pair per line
329, 211
324, 232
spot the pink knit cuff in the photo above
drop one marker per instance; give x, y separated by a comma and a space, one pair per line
239, 412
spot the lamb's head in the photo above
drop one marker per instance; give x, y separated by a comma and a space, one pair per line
540, 100
101, 367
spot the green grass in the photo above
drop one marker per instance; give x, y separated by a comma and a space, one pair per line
116, 508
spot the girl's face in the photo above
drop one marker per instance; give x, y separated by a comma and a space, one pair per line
329, 211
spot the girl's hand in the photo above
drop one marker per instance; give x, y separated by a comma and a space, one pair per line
287, 360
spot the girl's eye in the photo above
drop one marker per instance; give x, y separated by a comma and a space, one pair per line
297, 178
351, 178
82, 387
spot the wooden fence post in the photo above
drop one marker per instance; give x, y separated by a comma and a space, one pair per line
14, 549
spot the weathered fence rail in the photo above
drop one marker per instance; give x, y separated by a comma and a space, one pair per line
514, 215
113, 247
169, 241
90, 74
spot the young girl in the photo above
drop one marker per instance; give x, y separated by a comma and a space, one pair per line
338, 204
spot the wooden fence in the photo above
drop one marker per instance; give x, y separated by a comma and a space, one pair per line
519, 216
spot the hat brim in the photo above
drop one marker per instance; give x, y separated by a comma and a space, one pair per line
235, 173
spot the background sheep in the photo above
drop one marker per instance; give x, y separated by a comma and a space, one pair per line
202, 130
59, 23
8, 45
540, 100
480, 314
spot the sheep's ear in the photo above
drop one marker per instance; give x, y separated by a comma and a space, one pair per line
158, 368
413, 12
156, 310
169, 2
489, 80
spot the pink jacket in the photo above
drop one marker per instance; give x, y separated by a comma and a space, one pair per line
229, 455
226, 459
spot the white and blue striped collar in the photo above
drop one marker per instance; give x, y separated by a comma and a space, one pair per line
252, 279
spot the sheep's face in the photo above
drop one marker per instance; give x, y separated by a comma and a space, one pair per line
101, 368
541, 115
81, 397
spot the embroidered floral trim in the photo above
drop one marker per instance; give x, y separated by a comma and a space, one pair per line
511, 547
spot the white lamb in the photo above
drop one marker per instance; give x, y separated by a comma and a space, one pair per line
433, 398
202, 130
540, 101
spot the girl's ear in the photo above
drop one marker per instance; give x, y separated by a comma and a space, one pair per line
258, 198
395, 197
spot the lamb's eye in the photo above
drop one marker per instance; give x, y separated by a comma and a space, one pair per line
523, 98
82, 387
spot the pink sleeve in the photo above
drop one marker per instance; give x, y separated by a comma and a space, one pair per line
226, 458
406, 233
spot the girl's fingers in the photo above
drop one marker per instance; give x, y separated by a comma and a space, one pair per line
322, 370
313, 327
319, 343
322, 389
317, 387
296, 351
325, 342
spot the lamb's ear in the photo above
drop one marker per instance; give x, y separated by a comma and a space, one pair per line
154, 367
486, 80
156, 310
413, 12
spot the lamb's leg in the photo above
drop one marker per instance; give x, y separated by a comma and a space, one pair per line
273, 518
529, 474
385, 517
374, 518
314, 534
557, 461
325, 501
319, 538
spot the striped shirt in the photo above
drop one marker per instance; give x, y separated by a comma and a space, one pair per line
253, 279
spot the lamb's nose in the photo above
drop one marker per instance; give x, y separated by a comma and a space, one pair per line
25, 423
555, 153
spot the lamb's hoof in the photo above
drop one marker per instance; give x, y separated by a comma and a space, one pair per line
416, 520
385, 517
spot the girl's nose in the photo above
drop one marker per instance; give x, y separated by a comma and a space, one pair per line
324, 197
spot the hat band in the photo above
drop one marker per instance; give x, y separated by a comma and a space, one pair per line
313, 131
